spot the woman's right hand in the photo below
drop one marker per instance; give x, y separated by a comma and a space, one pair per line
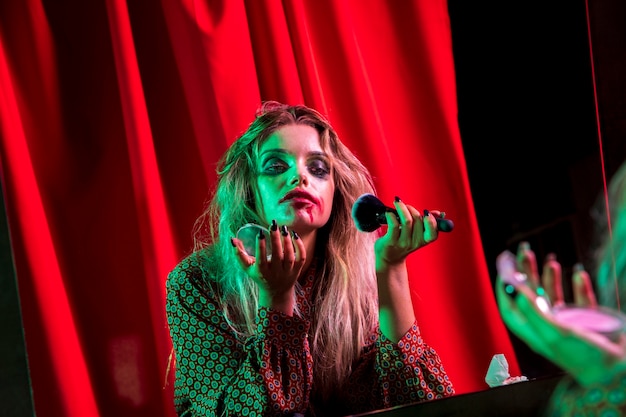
276, 274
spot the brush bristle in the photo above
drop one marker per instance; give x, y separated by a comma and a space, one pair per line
365, 212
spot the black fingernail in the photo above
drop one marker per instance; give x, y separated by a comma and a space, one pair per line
261, 234
283, 230
426, 213
397, 199
295, 235
274, 226
232, 242
510, 291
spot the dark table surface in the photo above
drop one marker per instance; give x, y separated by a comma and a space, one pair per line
526, 398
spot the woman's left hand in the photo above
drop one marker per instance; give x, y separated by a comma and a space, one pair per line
406, 233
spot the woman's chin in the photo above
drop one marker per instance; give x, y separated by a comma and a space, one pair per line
303, 226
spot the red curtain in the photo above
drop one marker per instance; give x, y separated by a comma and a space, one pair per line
113, 115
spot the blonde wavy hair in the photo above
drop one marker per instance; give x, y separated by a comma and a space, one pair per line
346, 300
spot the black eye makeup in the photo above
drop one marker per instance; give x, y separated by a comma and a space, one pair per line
276, 162
319, 168
273, 166
273, 162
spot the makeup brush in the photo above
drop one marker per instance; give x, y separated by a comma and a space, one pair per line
368, 213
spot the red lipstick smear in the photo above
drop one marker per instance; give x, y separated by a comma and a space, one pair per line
300, 199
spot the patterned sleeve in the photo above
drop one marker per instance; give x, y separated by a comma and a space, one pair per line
606, 398
218, 373
390, 374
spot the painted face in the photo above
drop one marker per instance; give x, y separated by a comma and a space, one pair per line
295, 182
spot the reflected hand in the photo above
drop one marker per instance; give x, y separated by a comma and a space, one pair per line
551, 279
588, 356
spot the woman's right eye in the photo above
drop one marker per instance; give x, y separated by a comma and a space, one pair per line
274, 166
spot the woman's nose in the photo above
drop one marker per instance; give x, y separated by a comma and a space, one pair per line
299, 178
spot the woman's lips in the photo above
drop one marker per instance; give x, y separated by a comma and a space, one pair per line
299, 197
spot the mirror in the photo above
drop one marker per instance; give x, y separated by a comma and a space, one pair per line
248, 235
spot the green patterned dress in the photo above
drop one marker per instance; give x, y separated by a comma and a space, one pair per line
271, 373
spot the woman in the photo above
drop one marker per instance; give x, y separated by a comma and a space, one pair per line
595, 362
325, 324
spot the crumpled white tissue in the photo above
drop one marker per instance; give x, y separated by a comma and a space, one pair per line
498, 372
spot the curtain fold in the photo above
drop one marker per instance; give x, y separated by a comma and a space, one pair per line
159, 252
113, 117
47, 289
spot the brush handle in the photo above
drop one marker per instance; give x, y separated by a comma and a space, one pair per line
443, 224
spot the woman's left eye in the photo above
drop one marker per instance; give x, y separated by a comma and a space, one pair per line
319, 168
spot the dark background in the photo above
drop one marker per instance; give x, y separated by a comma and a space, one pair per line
528, 76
